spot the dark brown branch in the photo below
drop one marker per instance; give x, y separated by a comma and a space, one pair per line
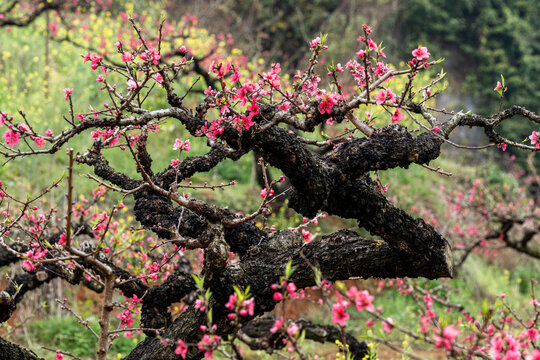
42, 7
256, 334
264, 265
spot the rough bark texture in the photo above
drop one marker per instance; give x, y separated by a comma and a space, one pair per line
259, 336
337, 182
10, 351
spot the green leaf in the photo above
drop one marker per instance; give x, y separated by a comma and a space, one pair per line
18, 287
341, 286
317, 276
289, 269
302, 337
485, 307
199, 281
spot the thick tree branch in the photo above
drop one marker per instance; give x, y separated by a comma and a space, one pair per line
256, 334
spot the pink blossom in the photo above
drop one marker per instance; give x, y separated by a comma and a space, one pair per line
200, 304
181, 349
207, 345
397, 116
125, 318
534, 137
235, 77
291, 288
32, 256
179, 144
99, 78
361, 54
449, 334
390, 95
292, 329
436, 128
371, 44
380, 97
362, 299
385, 95
59, 355
126, 57
315, 42
11, 137
28, 265
248, 307
24, 128
232, 301
155, 56
307, 235
277, 325
95, 61
264, 191
421, 53
158, 78
535, 355
388, 325
326, 106
535, 302
117, 44
498, 87
338, 310
132, 84
3, 118
532, 334
68, 93
39, 141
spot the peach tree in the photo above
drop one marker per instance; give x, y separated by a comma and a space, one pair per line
228, 269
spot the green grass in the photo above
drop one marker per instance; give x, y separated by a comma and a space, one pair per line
65, 333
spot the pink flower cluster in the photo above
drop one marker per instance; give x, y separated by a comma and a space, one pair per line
535, 139
329, 101
385, 95
181, 349
151, 55
94, 59
125, 317
362, 299
179, 144
447, 338
208, 344
242, 308
11, 137
32, 256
